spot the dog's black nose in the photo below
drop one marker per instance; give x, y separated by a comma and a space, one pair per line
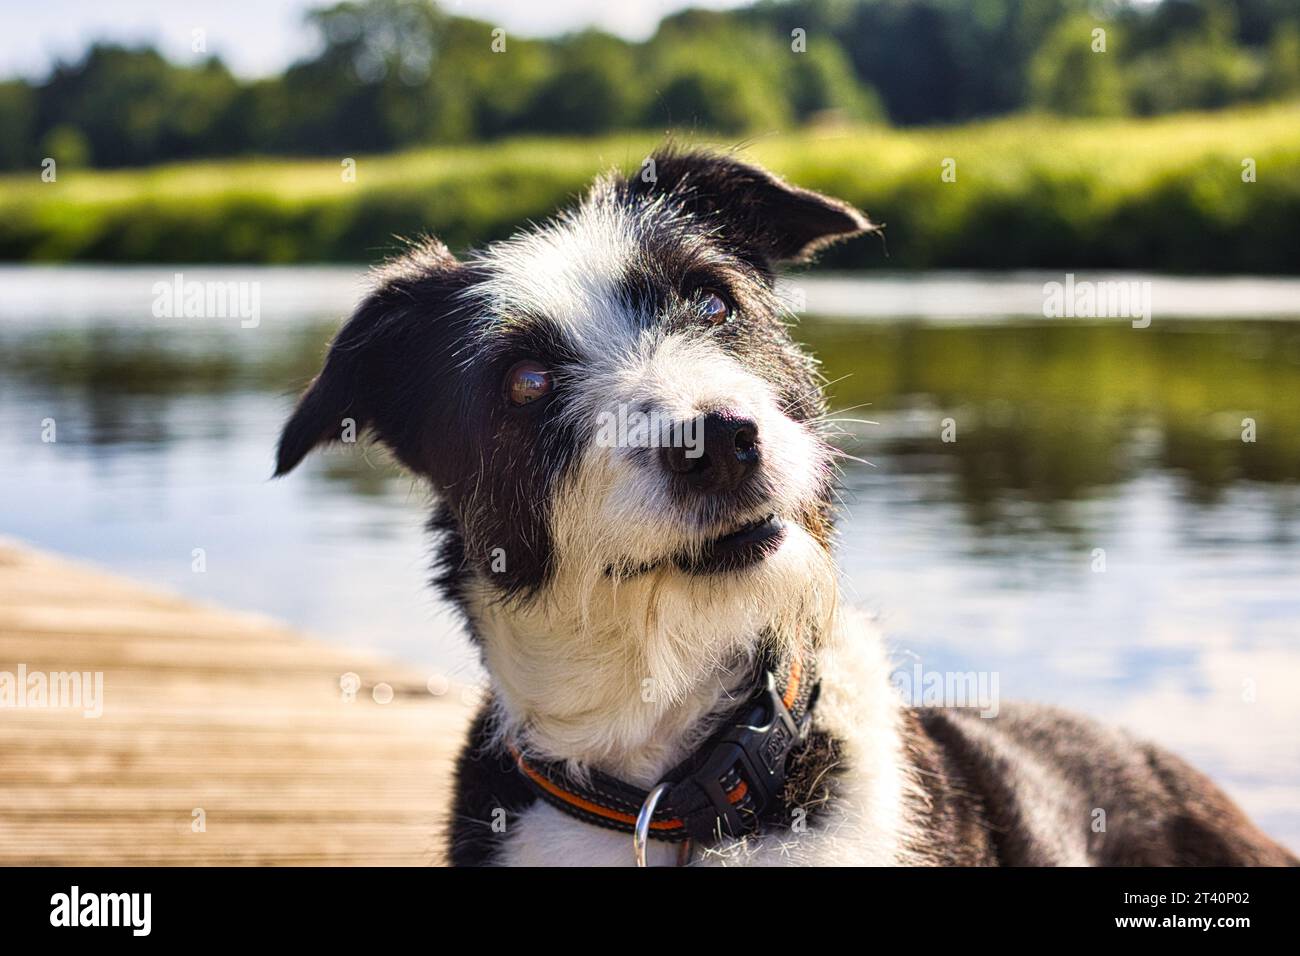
717, 454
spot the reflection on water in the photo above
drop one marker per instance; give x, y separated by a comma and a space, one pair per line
1098, 533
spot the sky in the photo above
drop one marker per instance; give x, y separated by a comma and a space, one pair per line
260, 37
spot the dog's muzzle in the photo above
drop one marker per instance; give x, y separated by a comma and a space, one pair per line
727, 454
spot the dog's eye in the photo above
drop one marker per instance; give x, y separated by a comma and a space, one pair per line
714, 309
527, 381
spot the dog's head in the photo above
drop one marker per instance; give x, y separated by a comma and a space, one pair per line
617, 424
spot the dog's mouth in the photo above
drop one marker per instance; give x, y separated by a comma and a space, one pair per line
745, 546
738, 549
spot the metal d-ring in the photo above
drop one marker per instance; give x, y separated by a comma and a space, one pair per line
641, 832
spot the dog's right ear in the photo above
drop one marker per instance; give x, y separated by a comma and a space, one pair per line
335, 401
381, 362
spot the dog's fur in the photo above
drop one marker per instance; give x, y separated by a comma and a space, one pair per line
572, 561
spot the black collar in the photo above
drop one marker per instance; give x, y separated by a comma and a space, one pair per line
730, 785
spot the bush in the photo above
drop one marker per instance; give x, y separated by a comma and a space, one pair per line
1030, 192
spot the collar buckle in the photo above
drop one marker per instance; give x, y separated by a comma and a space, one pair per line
756, 747
726, 788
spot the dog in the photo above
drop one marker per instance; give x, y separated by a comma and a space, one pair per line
673, 677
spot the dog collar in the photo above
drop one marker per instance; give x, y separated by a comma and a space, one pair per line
729, 786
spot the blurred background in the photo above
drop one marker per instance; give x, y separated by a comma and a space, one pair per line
288, 144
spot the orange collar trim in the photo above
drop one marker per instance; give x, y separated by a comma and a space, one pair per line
739, 773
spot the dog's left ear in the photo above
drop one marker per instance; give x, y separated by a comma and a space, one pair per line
751, 207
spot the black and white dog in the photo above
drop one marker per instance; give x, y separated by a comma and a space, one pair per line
670, 665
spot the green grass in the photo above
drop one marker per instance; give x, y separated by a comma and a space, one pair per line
1030, 192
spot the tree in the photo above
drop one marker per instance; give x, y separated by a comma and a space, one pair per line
1075, 75
597, 85
710, 73
17, 124
1197, 63
820, 82
130, 106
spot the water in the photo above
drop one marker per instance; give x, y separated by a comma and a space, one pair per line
1098, 534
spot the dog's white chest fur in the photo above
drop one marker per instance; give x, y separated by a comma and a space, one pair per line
862, 825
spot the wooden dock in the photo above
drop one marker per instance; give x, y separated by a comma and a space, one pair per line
224, 739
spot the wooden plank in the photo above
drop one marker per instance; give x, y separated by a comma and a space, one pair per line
214, 716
